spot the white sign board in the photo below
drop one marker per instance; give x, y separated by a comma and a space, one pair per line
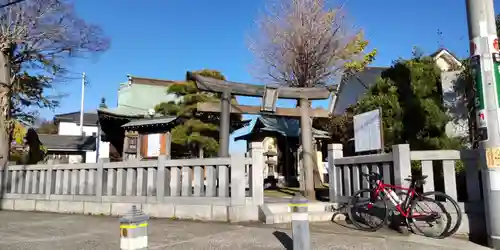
368, 131
153, 145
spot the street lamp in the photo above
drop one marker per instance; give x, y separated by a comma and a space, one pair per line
269, 99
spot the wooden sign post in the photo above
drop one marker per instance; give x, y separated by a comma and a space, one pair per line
305, 112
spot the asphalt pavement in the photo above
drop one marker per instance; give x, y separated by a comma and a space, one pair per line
46, 231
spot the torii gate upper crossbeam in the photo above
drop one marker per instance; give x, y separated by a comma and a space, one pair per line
244, 89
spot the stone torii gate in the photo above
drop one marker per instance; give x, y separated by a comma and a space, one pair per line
269, 95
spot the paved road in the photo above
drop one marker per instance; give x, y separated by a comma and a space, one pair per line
27, 230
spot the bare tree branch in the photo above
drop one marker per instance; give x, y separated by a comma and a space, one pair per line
37, 37
43, 33
10, 3
302, 43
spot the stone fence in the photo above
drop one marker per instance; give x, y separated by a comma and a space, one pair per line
345, 177
203, 189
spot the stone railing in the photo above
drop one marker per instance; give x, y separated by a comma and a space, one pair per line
344, 173
205, 189
449, 159
345, 176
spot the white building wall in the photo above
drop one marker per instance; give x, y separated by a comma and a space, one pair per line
103, 149
442, 64
71, 128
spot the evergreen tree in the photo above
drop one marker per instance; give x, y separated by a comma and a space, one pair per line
410, 98
195, 130
497, 22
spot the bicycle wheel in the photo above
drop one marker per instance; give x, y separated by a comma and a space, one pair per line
362, 201
450, 210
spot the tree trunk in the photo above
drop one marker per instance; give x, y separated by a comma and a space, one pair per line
200, 152
4, 109
4, 126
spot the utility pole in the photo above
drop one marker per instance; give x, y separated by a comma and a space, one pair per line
485, 63
82, 102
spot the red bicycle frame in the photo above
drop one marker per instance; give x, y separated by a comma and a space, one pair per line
403, 207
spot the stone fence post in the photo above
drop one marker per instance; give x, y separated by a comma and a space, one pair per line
49, 181
257, 173
401, 163
401, 160
238, 179
99, 179
161, 182
334, 152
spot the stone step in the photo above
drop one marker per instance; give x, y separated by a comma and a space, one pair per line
280, 212
313, 217
285, 207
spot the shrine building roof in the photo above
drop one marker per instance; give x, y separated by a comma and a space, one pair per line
68, 142
149, 122
285, 126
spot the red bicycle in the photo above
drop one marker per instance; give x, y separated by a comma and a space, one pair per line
381, 196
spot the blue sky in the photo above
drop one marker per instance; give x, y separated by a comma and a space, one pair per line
165, 38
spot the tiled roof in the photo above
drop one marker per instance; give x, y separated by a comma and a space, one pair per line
442, 49
355, 86
125, 111
288, 127
152, 81
153, 121
89, 118
68, 142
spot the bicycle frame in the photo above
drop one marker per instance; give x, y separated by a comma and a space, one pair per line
403, 207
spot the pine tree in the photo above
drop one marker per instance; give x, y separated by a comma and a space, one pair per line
195, 130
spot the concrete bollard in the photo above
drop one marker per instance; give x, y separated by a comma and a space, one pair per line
300, 223
134, 230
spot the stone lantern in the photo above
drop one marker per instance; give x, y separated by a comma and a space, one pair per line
271, 169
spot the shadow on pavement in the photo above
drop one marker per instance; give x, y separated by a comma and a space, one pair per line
346, 224
285, 240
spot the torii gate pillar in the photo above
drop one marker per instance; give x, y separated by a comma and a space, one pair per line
224, 124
